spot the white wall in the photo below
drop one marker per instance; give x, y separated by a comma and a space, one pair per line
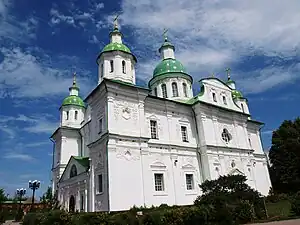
117, 73
168, 81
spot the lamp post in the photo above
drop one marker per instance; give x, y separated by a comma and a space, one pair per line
20, 193
34, 185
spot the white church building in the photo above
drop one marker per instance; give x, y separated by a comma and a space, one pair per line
126, 145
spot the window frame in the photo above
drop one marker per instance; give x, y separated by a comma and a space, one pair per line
174, 89
111, 62
123, 66
214, 96
224, 99
184, 136
100, 125
76, 115
226, 136
184, 88
100, 188
164, 91
162, 182
192, 182
156, 129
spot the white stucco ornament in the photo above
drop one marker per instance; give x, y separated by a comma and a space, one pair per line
126, 113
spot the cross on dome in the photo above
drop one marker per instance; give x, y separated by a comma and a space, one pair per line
165, 34
116, 22
228, 73
74, 79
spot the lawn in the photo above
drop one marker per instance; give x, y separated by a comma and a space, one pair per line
279, 209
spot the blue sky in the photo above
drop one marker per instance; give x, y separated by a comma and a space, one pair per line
44, 42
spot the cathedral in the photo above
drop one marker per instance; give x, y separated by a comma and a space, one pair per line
126, 145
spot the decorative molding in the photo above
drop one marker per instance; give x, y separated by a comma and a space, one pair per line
188, 167
158, 165
128, 155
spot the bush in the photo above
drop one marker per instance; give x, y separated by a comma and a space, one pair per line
295, 204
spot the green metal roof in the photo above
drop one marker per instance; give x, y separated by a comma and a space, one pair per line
116, 47
73, 100
236, 94
169, 66
166, 44
84, 161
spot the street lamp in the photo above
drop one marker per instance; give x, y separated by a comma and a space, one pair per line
34, 185
20, 193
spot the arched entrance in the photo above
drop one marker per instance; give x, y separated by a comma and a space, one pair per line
72, 204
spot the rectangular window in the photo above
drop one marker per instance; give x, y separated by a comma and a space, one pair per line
159, 182
100, 126
189, 178
184, 134
76, 115
100, 184
67, 115
153, 127
81, 202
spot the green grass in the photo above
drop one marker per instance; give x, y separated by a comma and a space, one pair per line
279, 209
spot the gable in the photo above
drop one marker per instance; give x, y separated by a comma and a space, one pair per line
236, 171
215, 82
80, 163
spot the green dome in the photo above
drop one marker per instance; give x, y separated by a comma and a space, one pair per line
236, 94
169, 66
73, 100
116, 47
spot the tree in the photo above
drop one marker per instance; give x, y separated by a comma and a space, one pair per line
3, 197
229, 199
284, 156
47, 196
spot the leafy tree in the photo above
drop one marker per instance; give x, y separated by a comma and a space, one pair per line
285, 157
229, 199
3, 197
47, 196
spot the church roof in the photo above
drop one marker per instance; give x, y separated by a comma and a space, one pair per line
73, 100
236, 94
169, 66
84, 161
117, 47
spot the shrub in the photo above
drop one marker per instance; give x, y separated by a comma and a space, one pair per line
295, 204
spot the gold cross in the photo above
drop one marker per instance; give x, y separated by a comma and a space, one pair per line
212, 75
228, 73
165, 34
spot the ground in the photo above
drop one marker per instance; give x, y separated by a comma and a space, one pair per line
286, 222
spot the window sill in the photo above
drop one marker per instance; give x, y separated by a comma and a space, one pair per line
191, 192
99, 193
162, 193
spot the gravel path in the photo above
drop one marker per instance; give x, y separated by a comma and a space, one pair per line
286, 222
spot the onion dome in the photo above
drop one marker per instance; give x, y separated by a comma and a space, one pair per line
73, 98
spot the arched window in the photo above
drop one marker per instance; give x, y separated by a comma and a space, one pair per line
184, 89
232, 164
73, 171
242, 107
164, 90
174, 89
67, 117
102, 70
224, 100
76, 115
123, 66
214, 97
155, 91
226, 136
111, 66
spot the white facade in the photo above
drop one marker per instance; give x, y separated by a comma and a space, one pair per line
134, 148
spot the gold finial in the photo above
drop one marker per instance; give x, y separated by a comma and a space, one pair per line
74, 79
228, 73
116, 22
165, 34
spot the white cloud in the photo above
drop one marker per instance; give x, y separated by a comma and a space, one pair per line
18, 156
25, 75
214, 34
94, 40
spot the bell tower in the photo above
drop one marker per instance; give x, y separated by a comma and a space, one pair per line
116, 60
